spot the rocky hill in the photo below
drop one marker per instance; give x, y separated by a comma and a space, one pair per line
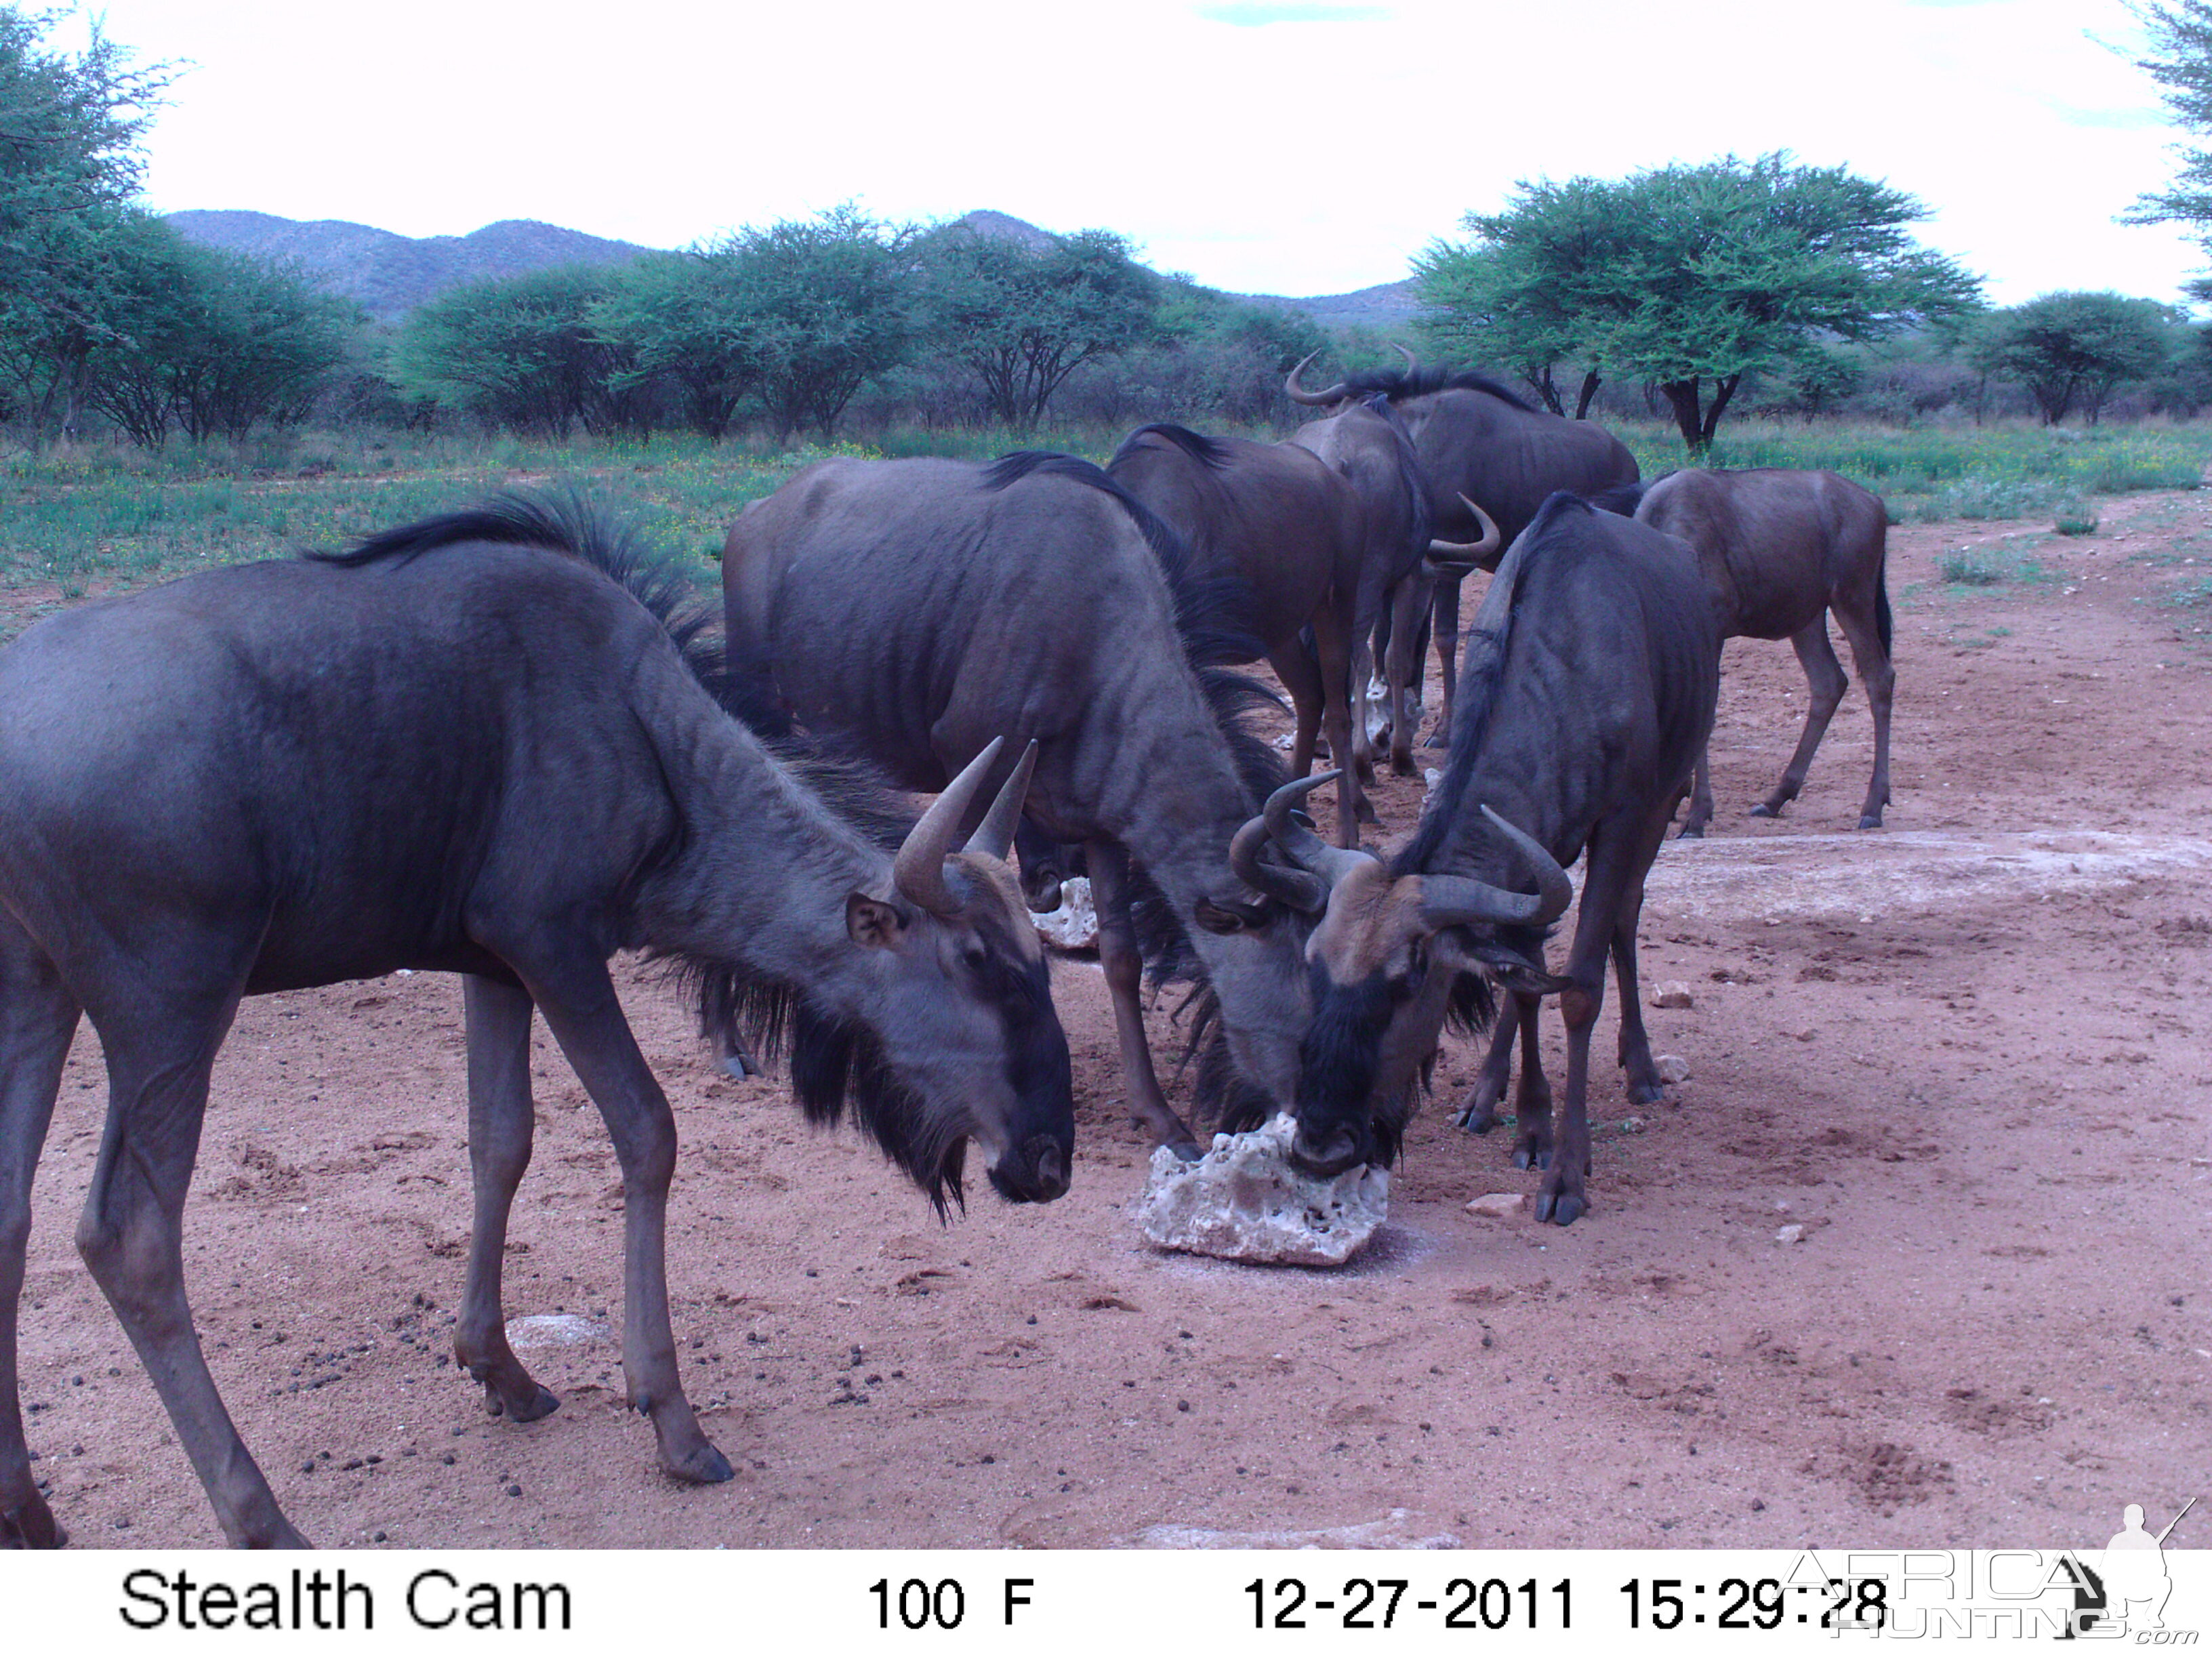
389, 275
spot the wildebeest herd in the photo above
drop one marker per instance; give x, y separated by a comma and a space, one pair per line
507, 744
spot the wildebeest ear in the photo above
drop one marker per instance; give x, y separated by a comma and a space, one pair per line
1217, 918
1515, 972
872, 922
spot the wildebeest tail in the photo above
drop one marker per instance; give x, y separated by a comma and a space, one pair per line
1882, 618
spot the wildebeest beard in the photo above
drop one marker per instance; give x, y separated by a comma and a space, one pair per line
1337, 1063
833, 1060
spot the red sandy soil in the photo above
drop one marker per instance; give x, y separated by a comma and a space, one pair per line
1970, 1055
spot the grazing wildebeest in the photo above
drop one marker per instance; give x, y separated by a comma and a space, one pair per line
1290, 530
1780, 549
1480, 441
1368, 445
914, 608
472, 744
1591, 674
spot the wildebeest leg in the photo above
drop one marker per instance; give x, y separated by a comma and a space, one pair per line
160, 1038
1608, 870
1701, 798
1125, 973
1401, 672
1362, 676
1881, 681
1445, 609
1301, 677
1332, 648
1532, 1101
581, 1008
500, 1121
38, 1018
1644, 1084
1824, 676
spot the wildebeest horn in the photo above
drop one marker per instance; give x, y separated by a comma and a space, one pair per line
1298, 394
1413, 363
1449, 901
995, 836
1311, 853
1296, 888
919, 870
1469, 552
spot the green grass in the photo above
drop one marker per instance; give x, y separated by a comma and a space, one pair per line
1934, 474
1974, 566
106, 516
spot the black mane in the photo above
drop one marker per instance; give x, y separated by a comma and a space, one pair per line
1208, 452
1482, 669
1398, 383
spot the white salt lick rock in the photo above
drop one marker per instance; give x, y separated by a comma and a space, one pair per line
1075, 926
554, 1331
1244, 1202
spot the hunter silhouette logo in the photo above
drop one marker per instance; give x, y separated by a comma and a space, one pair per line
2127, 1590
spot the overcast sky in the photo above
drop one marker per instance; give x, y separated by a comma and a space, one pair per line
1270, 146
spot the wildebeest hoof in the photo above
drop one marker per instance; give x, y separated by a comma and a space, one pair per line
1532, 1157
1186, 1152
1646, 1094
1365, 811
702, 1466
1870, 821
542, 1402
31, 1525
1692, 832
1561, 1207
1762, 811
1403, 765
1438, 740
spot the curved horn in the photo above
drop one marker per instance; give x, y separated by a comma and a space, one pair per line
1311, 853
919, 870
995, 836
1469, 552
1449, 901
1298, 394
1296, 888
1413, 363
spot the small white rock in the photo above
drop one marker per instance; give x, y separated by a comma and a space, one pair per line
554, 1331
1244, 1202
1496, 1204
1673, 1068
1075, 926
1674, 993
1633, 1126
1792, 1233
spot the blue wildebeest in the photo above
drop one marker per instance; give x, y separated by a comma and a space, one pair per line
916, 608
1289, 529
1591, 673
1480, 442
1780, 549
1368, 445
472, 744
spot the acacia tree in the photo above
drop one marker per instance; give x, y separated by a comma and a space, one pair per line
687, 318
522, 353
825, 306
70, 171
2181, 62
1024, 319
1691, 277
2076, 348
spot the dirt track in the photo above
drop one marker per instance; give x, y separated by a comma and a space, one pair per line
1970, 1055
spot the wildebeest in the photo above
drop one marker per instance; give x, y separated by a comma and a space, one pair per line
1591, 675
1780, 549
916, 608
472, 744
1368, 445
1289, 529
1481, 442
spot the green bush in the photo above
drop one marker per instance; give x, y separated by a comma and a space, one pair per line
1974, 567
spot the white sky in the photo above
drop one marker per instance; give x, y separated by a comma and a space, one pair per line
1272, 146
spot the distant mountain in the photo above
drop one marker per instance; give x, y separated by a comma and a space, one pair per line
389, 275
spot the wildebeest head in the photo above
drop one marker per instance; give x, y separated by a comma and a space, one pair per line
1392, 955
940, 1026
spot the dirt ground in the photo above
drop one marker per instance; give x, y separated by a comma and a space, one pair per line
1970, 1055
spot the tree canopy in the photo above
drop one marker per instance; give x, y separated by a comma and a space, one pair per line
1023, 319
1690, 277
2075, 349
2180, 61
